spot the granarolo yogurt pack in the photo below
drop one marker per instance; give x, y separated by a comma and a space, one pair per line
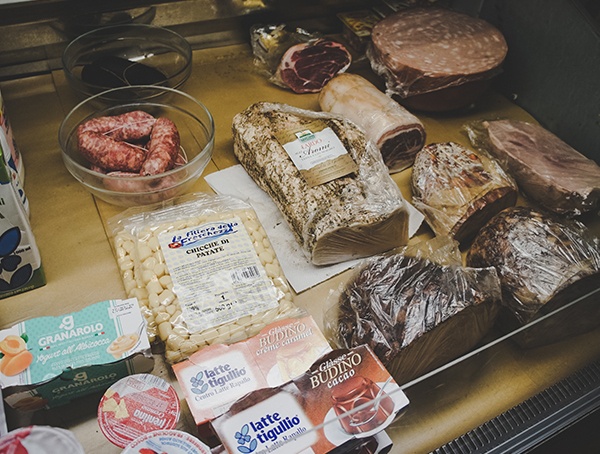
50, 361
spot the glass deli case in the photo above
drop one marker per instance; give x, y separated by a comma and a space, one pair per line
477, 381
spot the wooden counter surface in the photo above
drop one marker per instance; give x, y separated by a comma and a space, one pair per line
70, 229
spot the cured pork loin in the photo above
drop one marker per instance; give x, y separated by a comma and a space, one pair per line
416, 314
398, 134
459, 190
358, 213
549, 171
544, 263
436, 59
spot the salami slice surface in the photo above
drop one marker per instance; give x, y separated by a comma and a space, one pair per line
420, 50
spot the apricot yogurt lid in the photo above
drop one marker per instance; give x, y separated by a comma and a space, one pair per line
136, 405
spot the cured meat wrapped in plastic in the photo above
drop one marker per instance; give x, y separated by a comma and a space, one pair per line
459, 190
434, 58
298, 60
326, 178
549, 171
415, 313
544, 263
398, 134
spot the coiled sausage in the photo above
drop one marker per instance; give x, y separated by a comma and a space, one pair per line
131, 126
110, 154
163, 147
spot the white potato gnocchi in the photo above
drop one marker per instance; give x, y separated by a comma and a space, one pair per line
203, 271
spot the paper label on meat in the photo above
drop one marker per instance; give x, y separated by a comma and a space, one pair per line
317, 152
217, 274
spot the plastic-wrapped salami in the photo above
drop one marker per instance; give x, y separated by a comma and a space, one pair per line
203, 270
296, 59
415, 313
459, 190
544, 263
329, 182
435, 58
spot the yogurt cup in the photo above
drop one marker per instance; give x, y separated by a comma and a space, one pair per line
171, 441
136, 405
41, 440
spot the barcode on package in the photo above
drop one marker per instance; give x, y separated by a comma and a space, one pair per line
153, 381
245, 274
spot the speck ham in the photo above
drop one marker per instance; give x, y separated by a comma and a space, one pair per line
544, 262
458, 190
356, 215
549, 171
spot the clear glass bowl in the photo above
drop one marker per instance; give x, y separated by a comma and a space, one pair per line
123, 55
196, 129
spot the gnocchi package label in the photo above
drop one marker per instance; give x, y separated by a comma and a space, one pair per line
216, 376
216, 273
203, 271
56, 359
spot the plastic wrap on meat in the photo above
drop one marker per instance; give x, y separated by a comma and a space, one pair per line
549, 171
297, 59
307, 67
356, 215
420, 51
458, 190
398, 134
544, 263
414, 313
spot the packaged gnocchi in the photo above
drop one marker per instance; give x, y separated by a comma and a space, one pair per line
203, 270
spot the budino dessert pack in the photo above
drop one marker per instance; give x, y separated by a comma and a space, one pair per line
346, 395
213, 378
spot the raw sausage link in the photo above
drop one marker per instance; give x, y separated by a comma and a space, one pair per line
130, 126
110, 154
163, 148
